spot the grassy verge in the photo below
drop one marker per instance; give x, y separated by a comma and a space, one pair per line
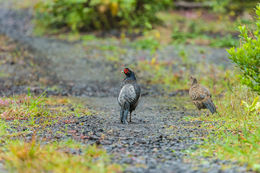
235, 132
201, 27
57, 157
174, 75
28, 107
30, 116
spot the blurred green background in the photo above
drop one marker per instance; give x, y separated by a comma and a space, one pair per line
202, 22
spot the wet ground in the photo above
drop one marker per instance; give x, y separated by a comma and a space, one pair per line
157, 139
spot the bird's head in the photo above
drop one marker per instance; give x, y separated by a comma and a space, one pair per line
129, 73
193, 80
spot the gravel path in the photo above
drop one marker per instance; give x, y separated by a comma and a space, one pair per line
155, 141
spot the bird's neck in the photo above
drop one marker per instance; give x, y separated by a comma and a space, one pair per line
131, 77
194, 82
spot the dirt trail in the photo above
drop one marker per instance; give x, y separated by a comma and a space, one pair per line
155, 141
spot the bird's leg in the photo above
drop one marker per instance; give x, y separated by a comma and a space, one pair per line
207, 113
125, 117
126, 110
204, 113
199, 112
121, 114
130, 117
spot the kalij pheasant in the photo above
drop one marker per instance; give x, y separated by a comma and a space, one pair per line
129, 95
201, 96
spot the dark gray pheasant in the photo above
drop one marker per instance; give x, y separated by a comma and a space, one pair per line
201, 96
129, 95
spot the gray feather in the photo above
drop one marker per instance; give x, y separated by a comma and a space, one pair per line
130, 93
210, 105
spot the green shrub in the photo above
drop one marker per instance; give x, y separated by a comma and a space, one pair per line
86, 15
247, 56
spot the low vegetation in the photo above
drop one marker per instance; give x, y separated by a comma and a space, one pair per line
28, 107
84, 15
164, 74
234, 133
22, 115
247, 56
56, 157
228, 6
138, 16
202, 27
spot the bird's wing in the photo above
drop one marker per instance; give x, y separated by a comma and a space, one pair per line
128, 94
205, 90
198, 93
137, 90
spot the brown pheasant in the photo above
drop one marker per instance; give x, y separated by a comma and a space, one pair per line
201, 96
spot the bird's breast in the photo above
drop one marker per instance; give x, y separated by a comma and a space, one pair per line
127, 93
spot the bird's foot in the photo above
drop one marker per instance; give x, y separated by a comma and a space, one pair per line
125, 122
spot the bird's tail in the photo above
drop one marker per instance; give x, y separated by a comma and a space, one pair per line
210, 105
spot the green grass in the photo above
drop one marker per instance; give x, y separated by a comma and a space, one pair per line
149, 43
196, 27
37, 113
32, 157
3, 127
28, 107
22, 4
164, 74
20, 155
203, 39
235, 134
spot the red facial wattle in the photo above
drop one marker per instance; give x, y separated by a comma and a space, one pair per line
125, 70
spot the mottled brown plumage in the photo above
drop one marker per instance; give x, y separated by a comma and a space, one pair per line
201, 96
